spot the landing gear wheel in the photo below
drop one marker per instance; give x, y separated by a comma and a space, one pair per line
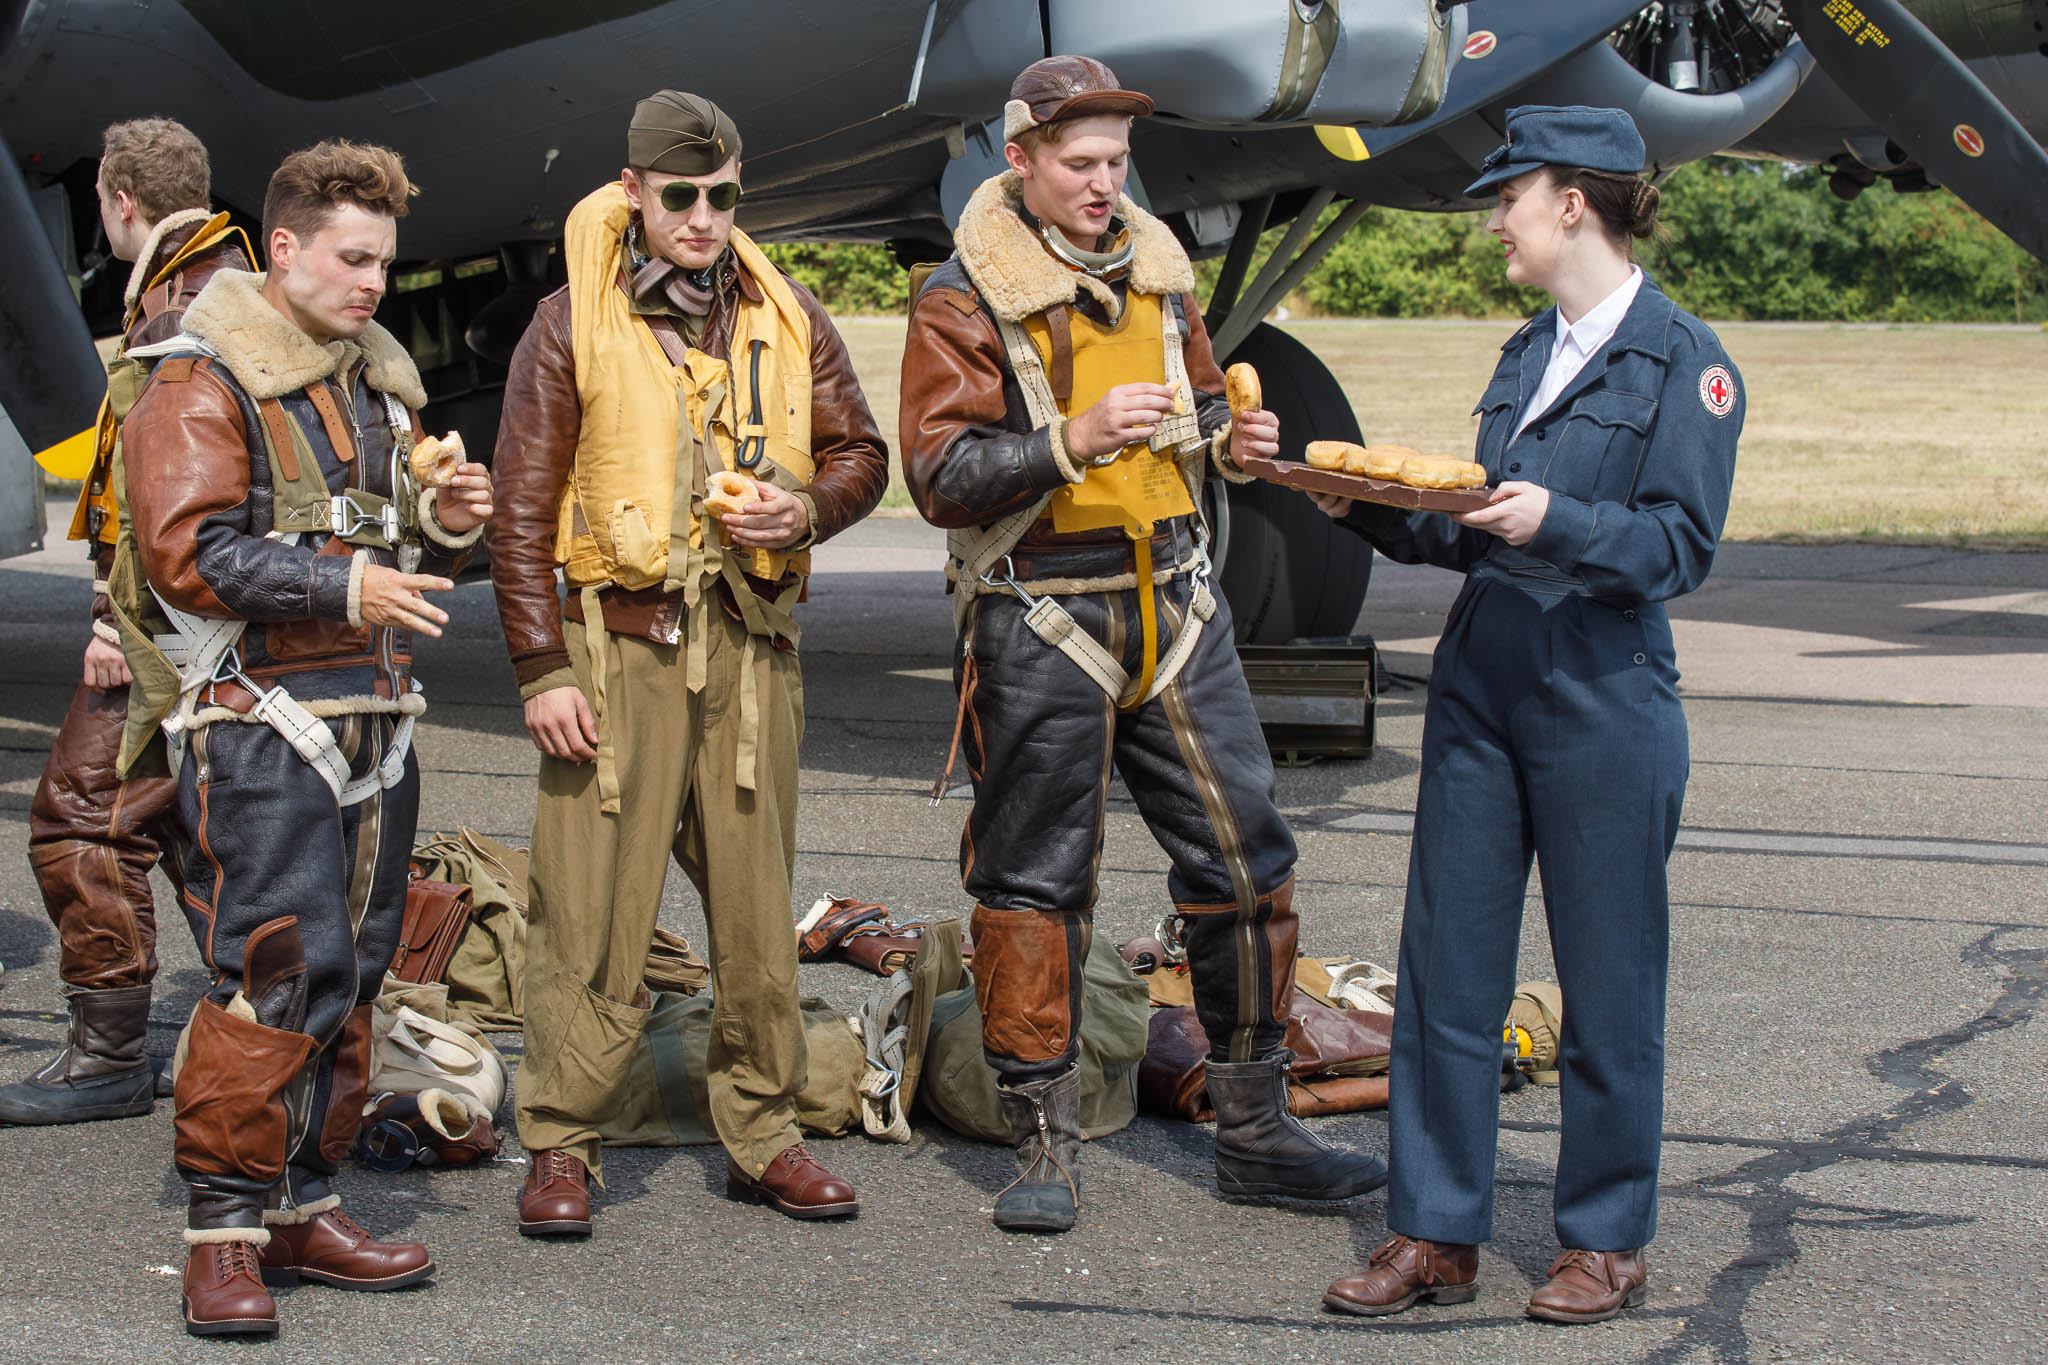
1287, 570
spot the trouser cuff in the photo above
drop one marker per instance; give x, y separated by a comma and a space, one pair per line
1027, 981
300, 1213
199, 1237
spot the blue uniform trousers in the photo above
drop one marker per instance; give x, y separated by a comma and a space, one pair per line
1553, 731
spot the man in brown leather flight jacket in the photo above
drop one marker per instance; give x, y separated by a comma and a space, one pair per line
92, 836
665, 695
1061, 408
288, 546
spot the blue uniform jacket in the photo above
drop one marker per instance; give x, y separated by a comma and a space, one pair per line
1638, 453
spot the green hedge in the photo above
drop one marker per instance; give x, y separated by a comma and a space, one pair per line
1743, 240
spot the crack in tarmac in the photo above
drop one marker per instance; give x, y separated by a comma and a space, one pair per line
1775, 1209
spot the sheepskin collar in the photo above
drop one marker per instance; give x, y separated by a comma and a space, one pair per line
1017, 277
147, 264
270, 358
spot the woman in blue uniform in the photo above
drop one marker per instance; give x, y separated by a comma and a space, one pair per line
1553, 728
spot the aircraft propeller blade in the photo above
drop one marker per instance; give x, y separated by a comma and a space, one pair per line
51, 379
1923, 98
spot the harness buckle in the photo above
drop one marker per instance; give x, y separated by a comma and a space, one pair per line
1009, 580
346, 517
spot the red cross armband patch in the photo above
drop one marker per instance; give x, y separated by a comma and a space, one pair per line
1717, 390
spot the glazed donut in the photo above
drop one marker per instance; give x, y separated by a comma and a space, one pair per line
435, 459
1241, 389
1384, 462
726, 491
1331, 455
1441, 471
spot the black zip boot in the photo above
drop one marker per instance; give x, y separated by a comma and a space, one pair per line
1045, 1121
102, 1072
1261, 1149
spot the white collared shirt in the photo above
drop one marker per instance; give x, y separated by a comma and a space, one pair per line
1578, 343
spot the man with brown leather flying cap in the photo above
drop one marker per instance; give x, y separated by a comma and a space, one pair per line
1061, 409
681, 426
92, 836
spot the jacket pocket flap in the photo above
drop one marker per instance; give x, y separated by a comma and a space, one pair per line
1611, 409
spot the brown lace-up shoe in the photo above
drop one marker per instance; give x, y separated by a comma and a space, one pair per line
1592, 1286
796, 1184
335, 1249
224, 1293
1406, 1269
555, 1201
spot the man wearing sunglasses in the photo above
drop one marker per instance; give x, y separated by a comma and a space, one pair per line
664, 694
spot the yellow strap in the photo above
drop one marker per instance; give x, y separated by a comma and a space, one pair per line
594, 645
1148, 619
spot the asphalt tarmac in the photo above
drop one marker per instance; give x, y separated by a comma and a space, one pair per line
1856, 1150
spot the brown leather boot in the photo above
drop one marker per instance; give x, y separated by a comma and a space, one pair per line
795, 1184
335, 1249
555, 1200
1592, 1286
1406, 1269
224, 1293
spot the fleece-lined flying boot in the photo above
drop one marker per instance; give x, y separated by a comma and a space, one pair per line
1261, 1149
1045, 1123
101, 1073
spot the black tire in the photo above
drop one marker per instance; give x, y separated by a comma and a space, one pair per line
1287, 570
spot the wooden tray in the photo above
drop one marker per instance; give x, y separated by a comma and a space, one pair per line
1294, 474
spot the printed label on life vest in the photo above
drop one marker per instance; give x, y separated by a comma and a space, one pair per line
1717, 390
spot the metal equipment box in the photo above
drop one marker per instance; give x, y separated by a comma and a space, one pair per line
1314, 698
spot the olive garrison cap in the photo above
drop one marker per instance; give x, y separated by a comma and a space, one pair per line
1562, 135
680, 134
1063, 87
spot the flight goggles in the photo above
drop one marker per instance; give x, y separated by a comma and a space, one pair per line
680, 196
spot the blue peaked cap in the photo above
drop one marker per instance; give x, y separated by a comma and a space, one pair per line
1562, 135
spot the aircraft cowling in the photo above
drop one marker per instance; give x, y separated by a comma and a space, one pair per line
1677, 126
1226, 62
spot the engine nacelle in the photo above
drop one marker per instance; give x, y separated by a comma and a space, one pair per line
1235, 63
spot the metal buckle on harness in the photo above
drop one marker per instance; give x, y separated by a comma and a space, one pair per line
1009, 580
346, 517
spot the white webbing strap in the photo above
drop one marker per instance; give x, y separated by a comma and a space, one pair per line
196, 647
1052, 623
313, 741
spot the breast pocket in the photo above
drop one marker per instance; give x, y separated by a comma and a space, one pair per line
1496, 414
1600, 445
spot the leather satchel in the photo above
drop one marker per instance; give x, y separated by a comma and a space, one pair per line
859, 931
1339, 1064
436, 914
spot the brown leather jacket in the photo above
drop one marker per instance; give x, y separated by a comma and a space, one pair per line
198, 489
970, 453
537, 449
159, 315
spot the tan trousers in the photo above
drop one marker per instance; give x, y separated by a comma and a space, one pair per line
595, 890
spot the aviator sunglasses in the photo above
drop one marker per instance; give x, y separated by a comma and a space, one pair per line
680, 196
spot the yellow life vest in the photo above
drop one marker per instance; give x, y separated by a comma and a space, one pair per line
125, 380
643, 417
1142, 486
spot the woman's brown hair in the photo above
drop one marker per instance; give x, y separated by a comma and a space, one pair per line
1626, 205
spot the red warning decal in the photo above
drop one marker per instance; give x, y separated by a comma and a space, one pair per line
1479, 44
1717, 390
1969, 141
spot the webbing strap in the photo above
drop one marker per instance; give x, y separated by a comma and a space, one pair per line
196, 647
1148, 623
594, 642
1052, 623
